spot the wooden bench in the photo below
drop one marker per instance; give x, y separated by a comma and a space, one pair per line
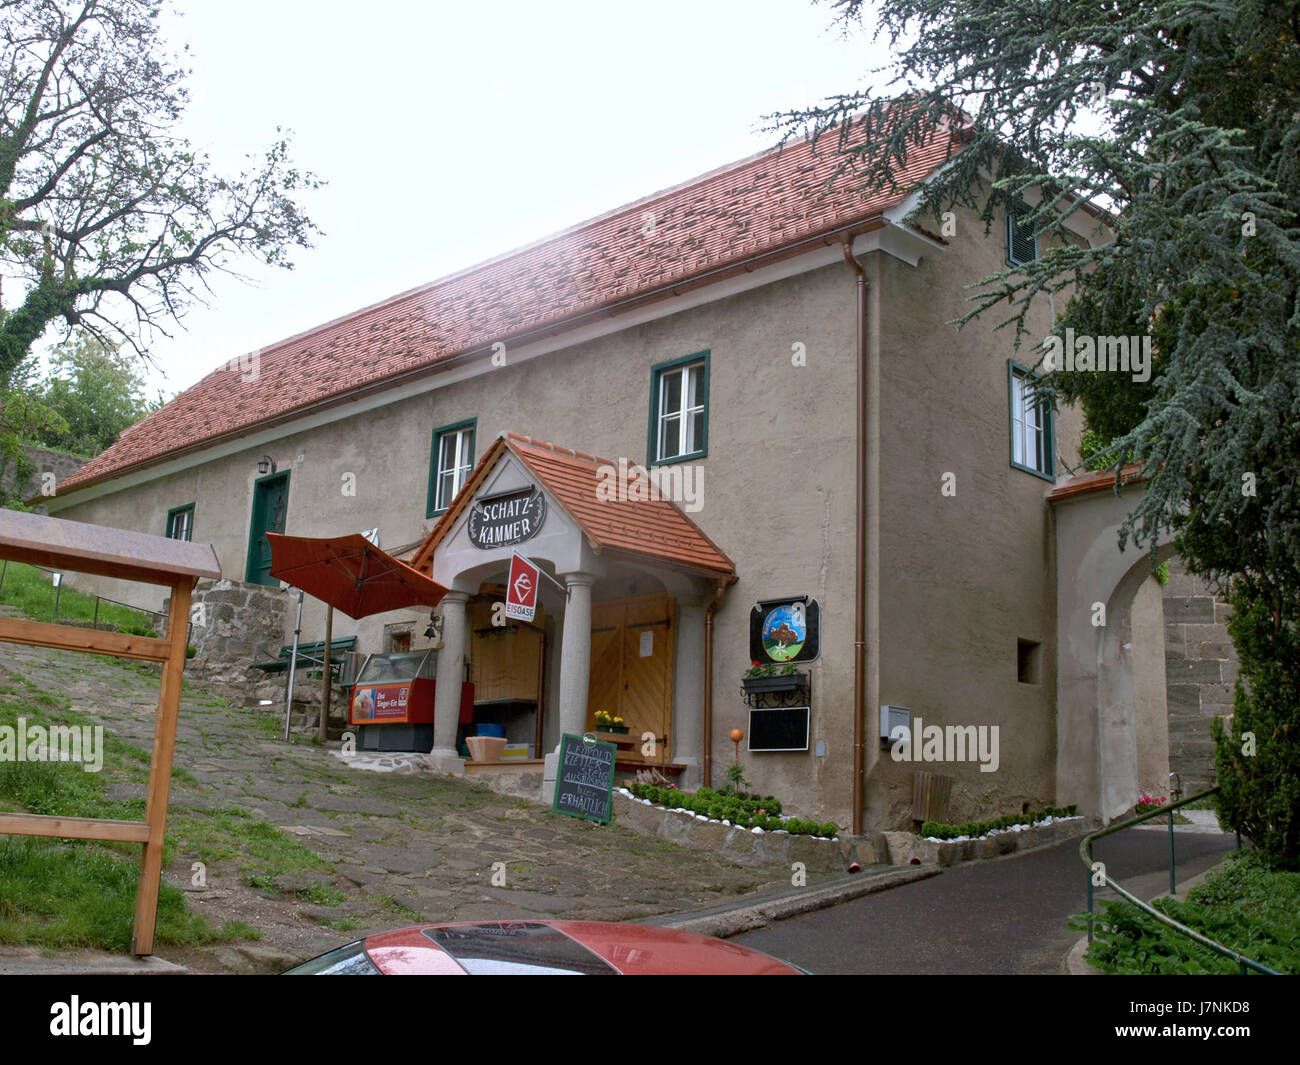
310, 655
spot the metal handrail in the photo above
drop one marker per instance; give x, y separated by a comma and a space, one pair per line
157, 616
1085, 853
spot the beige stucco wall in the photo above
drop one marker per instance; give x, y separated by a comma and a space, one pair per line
1147, 658
962, 577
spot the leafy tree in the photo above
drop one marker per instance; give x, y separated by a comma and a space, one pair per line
22, 417
1178, 117
96, 392
108, 220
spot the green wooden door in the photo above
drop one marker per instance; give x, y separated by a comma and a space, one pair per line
270, 502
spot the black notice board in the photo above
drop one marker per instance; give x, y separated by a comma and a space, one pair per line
783, 729
584, 782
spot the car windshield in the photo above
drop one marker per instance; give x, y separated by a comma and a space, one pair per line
349, 960
517, 947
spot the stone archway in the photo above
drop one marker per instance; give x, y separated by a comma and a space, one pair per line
1107, 711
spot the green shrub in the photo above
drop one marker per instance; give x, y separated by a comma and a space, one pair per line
946, 830
1258, 764
1243, 905
739, 808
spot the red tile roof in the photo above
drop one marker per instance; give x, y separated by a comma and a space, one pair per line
1087, 483
704, 229
652, 530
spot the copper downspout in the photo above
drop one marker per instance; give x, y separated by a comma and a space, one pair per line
860, 546
707, 769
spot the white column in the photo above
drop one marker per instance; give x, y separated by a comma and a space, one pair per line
447, 687
575, 664
686, 731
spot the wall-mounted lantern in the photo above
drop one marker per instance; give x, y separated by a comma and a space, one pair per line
265, 465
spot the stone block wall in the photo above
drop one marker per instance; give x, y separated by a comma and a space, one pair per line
1200, 672
45, 461
234, 625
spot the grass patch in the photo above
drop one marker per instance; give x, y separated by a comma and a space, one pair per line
66, 894
31, 591
346, 923
399, 909
322, 895
56, 893
253, 843
1242, 905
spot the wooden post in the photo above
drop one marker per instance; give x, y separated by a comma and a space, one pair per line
327, 678
160, 770
55, 543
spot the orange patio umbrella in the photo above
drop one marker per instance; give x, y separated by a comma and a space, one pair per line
350, 574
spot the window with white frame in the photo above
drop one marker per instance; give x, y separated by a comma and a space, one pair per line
1031, 426
679, 409
180, 523
453, 458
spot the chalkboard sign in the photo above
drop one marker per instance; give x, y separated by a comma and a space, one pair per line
785, 729
585, 779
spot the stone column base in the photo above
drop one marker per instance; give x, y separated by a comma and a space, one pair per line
691, 776
550, 771
446, 760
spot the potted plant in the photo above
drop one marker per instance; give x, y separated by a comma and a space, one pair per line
606, 722
760, 679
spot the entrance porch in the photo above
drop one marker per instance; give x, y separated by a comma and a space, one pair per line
620, 623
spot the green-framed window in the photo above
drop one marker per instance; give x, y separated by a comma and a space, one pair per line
180, 522
1022, 237
679, 410
1032, 428
451, 457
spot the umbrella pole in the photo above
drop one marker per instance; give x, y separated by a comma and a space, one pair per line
293, 665
326, 677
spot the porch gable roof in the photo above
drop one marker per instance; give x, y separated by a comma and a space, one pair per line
650, 530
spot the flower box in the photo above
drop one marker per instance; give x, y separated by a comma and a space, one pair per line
789, 682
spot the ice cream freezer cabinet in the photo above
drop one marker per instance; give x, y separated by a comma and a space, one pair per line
392, 701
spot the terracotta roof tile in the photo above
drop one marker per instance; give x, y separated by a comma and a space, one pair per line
650, 529
751, 208
1087, 483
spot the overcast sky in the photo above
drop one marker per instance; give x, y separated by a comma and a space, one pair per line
449, 133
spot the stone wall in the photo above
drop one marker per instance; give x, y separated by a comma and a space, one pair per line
234, 625
740, 845
1200, 672
57, 462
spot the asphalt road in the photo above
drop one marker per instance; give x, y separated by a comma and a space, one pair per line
989, 917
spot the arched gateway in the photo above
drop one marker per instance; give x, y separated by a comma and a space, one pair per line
1111, 725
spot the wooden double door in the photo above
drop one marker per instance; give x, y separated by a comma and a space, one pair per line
632, 668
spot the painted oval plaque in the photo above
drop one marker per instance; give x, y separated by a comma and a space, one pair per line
510, 518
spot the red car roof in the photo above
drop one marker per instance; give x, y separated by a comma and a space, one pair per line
586, 946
